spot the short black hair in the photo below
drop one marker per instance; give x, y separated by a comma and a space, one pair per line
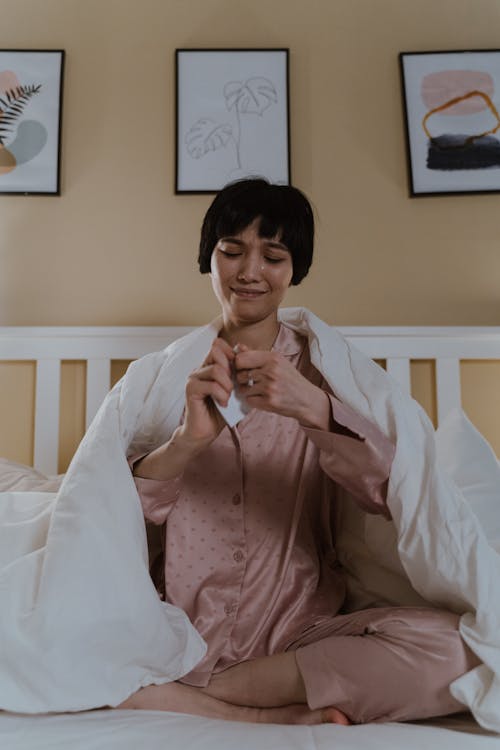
284, 212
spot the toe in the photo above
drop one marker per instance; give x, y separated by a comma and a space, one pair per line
332, 715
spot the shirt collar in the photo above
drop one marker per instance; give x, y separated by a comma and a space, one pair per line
288, 342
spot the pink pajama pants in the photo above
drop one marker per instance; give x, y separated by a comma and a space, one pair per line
387, 664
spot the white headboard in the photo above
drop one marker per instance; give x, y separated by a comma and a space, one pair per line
98, 346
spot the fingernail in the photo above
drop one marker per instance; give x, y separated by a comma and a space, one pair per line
236, 348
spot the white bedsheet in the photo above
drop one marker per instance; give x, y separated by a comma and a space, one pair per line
81, 625
156, 730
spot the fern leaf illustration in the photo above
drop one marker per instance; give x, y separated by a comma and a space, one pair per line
12, 105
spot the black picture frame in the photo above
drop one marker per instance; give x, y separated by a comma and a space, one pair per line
31, 97
232, 117
451, 103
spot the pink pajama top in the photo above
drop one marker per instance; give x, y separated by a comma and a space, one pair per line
249, 548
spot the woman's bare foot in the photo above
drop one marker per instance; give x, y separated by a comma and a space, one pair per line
190, 700
332, 715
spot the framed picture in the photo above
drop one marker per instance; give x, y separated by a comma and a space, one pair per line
452, 105
232, 117
30, 121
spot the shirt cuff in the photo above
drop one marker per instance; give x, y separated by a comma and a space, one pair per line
356, 455
156, 495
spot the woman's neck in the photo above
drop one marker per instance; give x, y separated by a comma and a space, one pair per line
260, 335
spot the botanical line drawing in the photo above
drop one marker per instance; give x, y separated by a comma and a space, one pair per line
12, 104
251, 97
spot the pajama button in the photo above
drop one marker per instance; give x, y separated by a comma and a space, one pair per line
238, 556
229, 609
236, 499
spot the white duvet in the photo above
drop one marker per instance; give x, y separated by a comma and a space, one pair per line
81, 625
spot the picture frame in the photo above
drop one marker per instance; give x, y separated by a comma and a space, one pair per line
451, 103
232, 117
31, 93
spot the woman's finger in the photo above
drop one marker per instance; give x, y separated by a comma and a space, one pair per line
202, 389
226, 348
219, 394
216, 373
253, 359
243, 377
220, 352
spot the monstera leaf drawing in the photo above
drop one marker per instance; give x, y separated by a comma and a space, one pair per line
12, 104
205, 136
252, 97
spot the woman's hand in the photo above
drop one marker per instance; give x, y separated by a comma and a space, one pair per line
277, 386
202, 420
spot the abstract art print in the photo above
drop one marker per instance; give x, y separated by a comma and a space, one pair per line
30, 121
232, 117
452, 105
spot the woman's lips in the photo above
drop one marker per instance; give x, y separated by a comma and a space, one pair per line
248, 293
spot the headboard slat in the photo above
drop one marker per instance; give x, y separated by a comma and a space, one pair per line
399, 368
100, 345
98, 382
448, 388
46, 447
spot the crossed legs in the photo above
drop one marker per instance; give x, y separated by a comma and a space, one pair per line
267, 690
238, 701
384, 664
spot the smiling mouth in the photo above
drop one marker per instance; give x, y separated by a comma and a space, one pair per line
247, 293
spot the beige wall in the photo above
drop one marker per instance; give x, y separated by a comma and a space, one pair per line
118, 247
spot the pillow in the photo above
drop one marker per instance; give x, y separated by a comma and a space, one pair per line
470, 461
366, 545
16, 477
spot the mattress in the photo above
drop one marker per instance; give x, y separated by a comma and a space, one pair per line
161, 730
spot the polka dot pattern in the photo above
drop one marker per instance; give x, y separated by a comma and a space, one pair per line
247, 554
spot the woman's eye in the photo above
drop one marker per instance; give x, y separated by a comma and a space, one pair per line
229, 254
275, 260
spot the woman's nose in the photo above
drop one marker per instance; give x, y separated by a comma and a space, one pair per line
251, 268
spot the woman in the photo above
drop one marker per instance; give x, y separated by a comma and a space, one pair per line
249, 552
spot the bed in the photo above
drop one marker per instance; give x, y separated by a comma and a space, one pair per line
396, 348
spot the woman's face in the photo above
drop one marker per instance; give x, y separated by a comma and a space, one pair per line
250, 275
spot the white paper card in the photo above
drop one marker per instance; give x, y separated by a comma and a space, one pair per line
236, 408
